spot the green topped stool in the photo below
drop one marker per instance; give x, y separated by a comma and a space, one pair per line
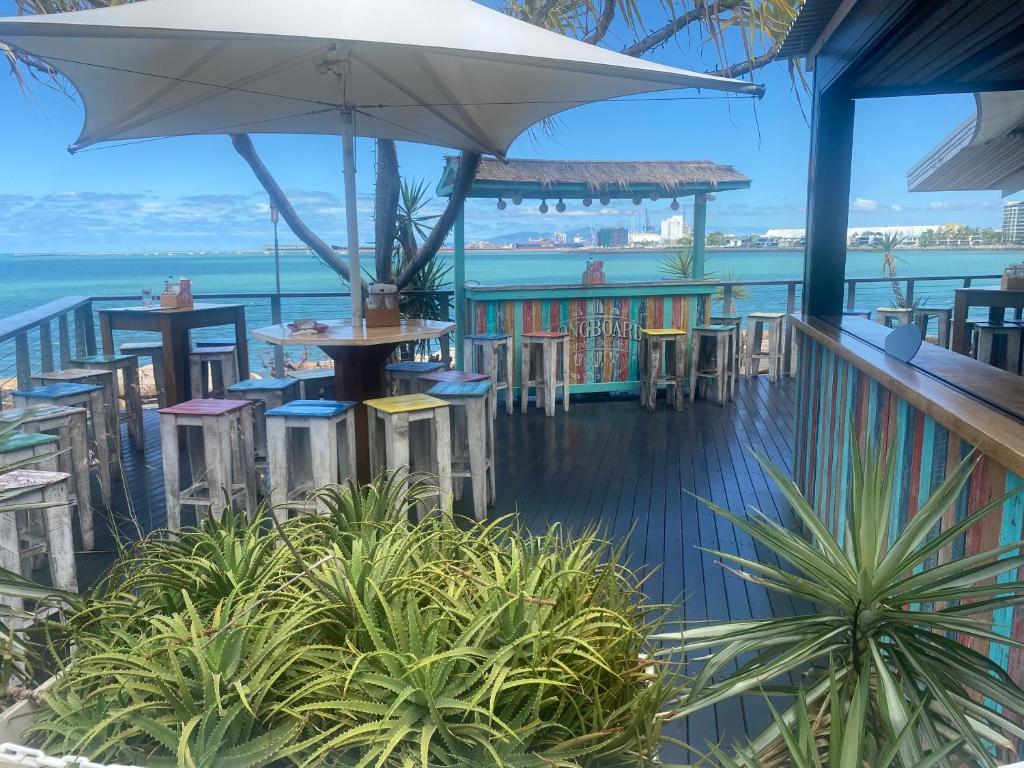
713, 361
310, 444
25, 447
472, 439
314, 383
127, 368
655, 346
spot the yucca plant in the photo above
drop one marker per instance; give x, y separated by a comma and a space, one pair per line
888, 611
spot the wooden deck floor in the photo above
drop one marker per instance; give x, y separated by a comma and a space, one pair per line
630, 472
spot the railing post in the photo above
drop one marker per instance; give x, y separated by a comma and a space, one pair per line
45, 347
23, 363
445, 341
64, 340
85, 331
909, 295
787, 363
275, 318
967, 282
851, 294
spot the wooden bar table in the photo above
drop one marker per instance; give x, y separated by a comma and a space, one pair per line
174, 326
997, 299
360, 357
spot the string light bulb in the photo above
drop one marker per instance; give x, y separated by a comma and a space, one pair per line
561, 206
543, 207
636, 200
587, 202
517, 199
502, 205
675, 204
605, 199
654, 196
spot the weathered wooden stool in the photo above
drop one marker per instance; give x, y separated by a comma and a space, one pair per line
894, 316
220, 456
655, 344
155, 352
264, 394
714, 360
483, 353
127, 367
43, 494
758, 323
547, 353
472, 439
310, 444
943, 319
392, 419
86, 396
95, 377
29, 448
314, 383
70, 427
736, 320
211, 371
404, 377
986, 347
463, 377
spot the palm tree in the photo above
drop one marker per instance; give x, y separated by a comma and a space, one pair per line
887, 244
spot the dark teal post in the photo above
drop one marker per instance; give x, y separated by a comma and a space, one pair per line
460, 283
700, 217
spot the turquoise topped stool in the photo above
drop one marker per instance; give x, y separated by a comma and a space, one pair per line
310, 444
90, 397
314, 383
20, 447
127, 389
472, 439
483, 353
404, 377
264, 394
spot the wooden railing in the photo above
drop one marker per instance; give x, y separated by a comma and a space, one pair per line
27, 338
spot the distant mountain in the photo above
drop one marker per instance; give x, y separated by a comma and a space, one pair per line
512, 238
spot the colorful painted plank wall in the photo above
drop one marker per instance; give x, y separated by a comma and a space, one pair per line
604, 332
836, 400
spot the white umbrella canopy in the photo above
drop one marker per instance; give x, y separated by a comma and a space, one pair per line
451, 73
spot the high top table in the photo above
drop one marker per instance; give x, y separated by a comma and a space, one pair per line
174, 325
360, 357
997, 299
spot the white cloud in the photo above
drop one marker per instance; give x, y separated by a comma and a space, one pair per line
865, 204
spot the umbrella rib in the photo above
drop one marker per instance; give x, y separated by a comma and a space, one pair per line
459, 108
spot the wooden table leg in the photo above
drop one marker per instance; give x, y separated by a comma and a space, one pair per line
959, 343
175, 341
241, 344
359, 375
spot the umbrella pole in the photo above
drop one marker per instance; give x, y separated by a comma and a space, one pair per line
352, 225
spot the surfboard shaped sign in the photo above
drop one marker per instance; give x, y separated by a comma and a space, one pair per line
903, 342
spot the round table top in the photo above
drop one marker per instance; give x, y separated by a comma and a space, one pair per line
341, 333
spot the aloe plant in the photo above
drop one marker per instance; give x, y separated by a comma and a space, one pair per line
885, 611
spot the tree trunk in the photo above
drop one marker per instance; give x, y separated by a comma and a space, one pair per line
243, 146
385, 207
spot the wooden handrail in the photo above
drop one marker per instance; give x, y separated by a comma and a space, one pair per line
30, 318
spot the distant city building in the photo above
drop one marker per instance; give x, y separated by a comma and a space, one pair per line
558, 238
645, 238
1013, 221
612, 237
674, 228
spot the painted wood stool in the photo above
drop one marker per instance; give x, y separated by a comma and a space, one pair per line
90, 398
986, 346
220, 455
736, 320
124, 371
218, 341
94, 377
310, 444
211, 371
713, 360
464, 377
70, 426
264, 394
545, 353
758, 324
155, 352
491, 354
40, 494
392, 446
31, 448
403, 378
943, 319
894, 316
655, 345
314, 383
472, 439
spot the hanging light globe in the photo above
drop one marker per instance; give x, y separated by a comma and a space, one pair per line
636, 200
605, 199
653, 196
502, 205
517, 199
543, 207
561, 206
587, 202
675, 205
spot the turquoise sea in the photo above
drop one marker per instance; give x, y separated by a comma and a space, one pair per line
27, 281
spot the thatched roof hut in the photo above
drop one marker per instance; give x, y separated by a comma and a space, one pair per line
614, 179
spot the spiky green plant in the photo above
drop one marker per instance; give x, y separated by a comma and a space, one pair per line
888, 610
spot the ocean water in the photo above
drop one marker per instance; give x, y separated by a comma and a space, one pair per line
28, 281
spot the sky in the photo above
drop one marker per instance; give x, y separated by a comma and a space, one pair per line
194, 193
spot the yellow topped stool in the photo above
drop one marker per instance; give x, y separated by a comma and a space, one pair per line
655, 346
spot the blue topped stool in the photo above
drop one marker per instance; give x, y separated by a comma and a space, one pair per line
404, 377
264, 394
104, 379
125, 367
484, 353
314, 383
310, 444
472, 439
91, 397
